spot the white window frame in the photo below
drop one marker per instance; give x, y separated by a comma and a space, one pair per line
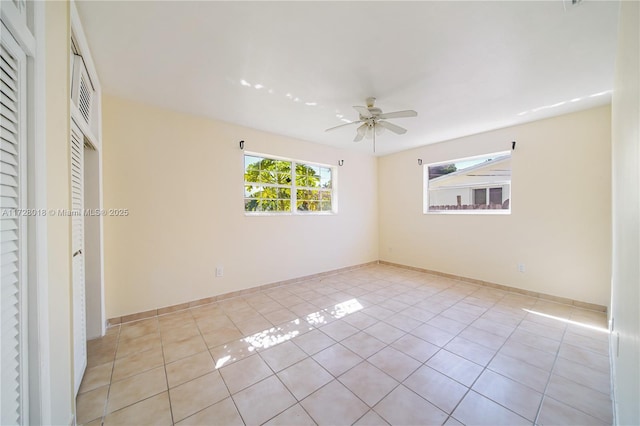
293, 211
425, 188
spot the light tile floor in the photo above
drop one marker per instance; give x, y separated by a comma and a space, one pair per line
373, 346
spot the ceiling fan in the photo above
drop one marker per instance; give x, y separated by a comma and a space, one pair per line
373, 121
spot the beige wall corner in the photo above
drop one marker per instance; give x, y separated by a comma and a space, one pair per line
559, 227
58, 197
625, 295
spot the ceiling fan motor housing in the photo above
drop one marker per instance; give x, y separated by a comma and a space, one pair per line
374, 112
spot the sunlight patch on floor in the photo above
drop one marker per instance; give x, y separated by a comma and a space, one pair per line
275, 335
568, 321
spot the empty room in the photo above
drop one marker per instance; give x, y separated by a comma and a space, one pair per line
320, 213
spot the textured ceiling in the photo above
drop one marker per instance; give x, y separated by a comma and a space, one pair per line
296, 68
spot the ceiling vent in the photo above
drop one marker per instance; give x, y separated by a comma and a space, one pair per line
81, 89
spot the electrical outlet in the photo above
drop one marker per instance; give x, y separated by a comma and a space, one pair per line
219, 271
521, 267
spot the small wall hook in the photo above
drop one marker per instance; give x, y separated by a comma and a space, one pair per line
513, 145
241, 144
341, 163
419, 161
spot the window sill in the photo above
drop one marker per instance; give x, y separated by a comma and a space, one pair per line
470, 212
250, 214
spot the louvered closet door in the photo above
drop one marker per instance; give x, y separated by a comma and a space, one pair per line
13, 232
77, 250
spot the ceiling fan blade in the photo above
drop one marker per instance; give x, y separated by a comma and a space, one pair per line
363, 111
343, 125
399, 114
395, 129
362, 130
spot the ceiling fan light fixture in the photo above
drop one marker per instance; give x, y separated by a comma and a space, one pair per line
369, 132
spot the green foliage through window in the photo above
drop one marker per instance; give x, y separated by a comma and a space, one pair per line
272, 185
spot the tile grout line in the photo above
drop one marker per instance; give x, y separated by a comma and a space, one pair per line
157, 331
557, 356
257, 353
113, 367
166, 375
105, 414
399, 383
208, 350
484, 368
284, 385
336, 378
308, 356
450, 415
507, 338
546, 386
226, 385
421, 364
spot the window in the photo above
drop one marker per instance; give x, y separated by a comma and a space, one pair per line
273, 185
479, 196
469, 185
495, 196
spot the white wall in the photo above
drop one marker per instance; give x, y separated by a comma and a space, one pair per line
625, 295
562, 237
181, 177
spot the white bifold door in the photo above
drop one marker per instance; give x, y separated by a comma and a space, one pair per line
13, 233
77, 253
